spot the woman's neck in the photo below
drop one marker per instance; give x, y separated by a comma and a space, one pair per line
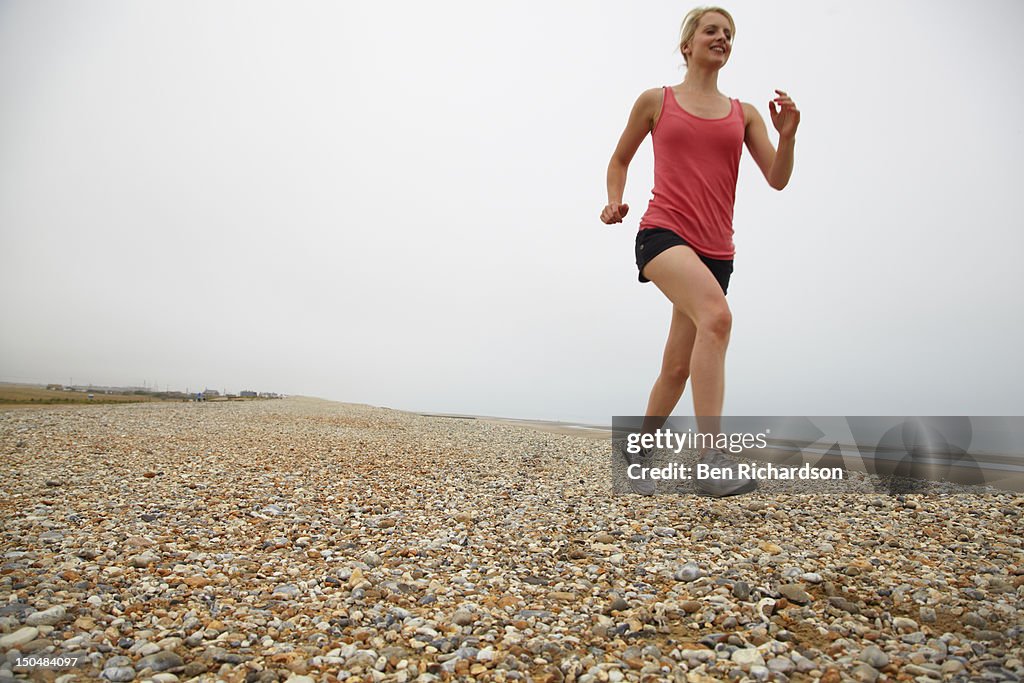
701, 81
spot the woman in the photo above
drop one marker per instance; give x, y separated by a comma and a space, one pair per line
684, 244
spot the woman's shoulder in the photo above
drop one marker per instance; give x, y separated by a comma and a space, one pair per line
650, 100
750, 112
652, 95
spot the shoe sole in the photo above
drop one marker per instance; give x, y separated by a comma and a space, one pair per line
637, 491
748, 487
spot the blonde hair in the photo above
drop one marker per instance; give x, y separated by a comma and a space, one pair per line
689, 27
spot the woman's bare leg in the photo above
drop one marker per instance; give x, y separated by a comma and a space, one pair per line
689, 285
675, 370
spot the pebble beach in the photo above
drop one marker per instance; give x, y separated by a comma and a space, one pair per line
306, 540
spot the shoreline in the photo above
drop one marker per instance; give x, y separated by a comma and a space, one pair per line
547, 426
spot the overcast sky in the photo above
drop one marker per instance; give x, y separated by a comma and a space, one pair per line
397, 203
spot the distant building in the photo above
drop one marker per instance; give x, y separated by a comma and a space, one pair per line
211, 393
247, 394
55, 387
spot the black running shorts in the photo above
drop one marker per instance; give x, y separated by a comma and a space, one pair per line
652, 241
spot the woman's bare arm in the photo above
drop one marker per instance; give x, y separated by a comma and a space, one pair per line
776, 165
641, 120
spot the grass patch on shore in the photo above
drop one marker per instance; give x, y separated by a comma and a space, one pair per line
28, 394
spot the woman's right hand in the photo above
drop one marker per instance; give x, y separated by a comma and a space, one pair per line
614, 213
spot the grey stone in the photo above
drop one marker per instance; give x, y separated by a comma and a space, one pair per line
287, 591
118, 673
760, 673
48, 617
865, 673
143, 560
844, 604
795, 594
974, 619
933, 671
874, 656
988, 635
747, 657
618, 605
951, 666
688, 572
20, 637
781, 665
904, 624
161, 661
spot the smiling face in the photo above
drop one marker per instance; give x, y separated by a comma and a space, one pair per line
707, 37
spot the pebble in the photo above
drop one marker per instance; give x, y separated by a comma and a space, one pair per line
874, 656
688, 572
19, 637
781, 665
47, 617
988, 635
904, 624
795, 593
618, 604
865, 673
144, 560
118, 673
974, 619
368, 544
286, 591
161, 661
747, 657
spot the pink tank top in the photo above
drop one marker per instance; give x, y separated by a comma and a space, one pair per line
696, 163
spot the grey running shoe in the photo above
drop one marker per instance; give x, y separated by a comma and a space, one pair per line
728, 483
640, 485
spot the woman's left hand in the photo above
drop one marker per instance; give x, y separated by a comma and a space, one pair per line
787, 117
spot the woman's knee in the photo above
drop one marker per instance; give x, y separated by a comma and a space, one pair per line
717, 322
675, 374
